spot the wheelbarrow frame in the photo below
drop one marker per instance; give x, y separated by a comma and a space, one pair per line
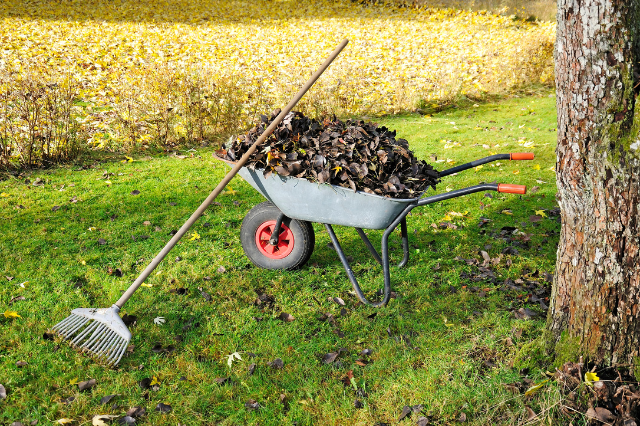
398, 217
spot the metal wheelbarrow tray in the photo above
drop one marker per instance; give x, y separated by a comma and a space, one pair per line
293, 203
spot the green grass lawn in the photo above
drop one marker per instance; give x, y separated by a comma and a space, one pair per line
449, 341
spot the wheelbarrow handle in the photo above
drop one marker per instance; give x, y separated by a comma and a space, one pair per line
500, 187
485, 160
522, 156
512, 189
458, 193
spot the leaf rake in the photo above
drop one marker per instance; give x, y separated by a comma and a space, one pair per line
101, 332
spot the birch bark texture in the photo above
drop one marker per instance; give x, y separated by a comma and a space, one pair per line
596, 293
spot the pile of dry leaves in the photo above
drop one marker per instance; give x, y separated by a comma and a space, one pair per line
606, 396
353, 154
611, 396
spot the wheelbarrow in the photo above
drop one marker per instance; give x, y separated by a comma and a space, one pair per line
277, 234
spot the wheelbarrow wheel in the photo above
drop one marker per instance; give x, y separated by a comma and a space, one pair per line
295, 242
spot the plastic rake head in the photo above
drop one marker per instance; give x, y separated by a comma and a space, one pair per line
100, 332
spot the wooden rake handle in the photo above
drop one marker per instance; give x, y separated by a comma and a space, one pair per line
183, 230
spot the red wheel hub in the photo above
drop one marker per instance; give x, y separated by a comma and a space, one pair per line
285, 240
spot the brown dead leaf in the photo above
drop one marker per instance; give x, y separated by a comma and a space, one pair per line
286, 317
337, 300
276, 364
601, 414
251, 405
163, 408
86, 385
16, 299
532, 414
136, 412
330, 357
406, 410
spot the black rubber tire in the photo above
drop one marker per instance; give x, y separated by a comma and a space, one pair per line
303, 236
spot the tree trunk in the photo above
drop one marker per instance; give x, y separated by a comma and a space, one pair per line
596, 293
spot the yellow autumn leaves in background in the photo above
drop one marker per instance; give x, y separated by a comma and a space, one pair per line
129, 57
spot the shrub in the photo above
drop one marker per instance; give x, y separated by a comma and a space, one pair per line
167, 107
38, 120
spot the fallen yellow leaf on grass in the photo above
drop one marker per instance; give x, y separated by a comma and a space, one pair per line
478, 168
74, 381
541, 213
536, 167
100, 419
459, 214
230, 191
590, 377
64, 421
154, 381
11, 314
535, 388
4, 194
108, 182
147, 285
516, 172
194, 236
508, 212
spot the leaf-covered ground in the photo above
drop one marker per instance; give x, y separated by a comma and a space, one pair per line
241, 345
396, 58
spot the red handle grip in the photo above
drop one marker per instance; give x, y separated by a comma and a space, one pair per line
512, 189
522, 156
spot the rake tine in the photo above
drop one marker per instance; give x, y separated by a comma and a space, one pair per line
92, 348
76, 326
116, 355
59, 326
117, 347
93, 337
72, 327
124, 348
86, 331
69, 323
113, 348
106, 344
98, 342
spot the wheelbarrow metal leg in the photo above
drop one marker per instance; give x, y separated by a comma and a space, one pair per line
366, 241
350, 274
405, 244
